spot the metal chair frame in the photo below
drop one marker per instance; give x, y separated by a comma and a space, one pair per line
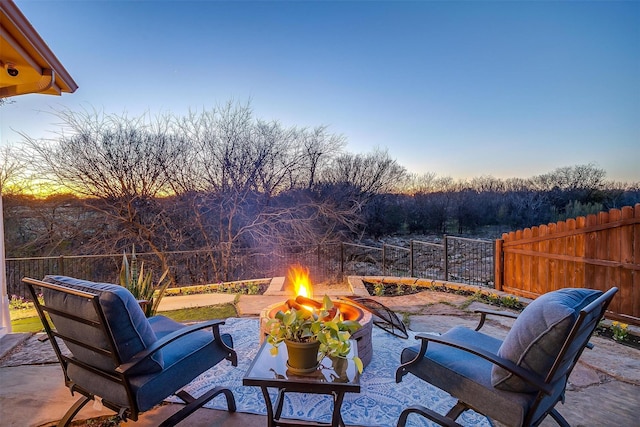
121, 375
542, 384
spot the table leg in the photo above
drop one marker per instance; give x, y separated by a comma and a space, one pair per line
274, 411
336, 419
267, 401
279, 404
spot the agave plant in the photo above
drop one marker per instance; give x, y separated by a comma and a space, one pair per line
140, 283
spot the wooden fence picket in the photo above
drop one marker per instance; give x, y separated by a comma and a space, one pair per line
598, 252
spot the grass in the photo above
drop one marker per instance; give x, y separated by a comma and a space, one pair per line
23, 313
26, 323
24, 317
198, 314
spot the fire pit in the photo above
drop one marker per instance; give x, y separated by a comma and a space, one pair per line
302, 286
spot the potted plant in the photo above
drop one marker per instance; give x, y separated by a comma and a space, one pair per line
320, 330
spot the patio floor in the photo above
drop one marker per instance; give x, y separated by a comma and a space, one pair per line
604, 388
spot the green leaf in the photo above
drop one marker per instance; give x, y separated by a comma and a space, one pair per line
344, 336
124, 272
316, 327
327, 304
274, 352
351, 325
289, 318
164, 284
323, 339
358, 363
332, 325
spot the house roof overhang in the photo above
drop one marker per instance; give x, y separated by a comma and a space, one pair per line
37, 70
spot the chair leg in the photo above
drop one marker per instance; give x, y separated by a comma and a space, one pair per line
559, 418
73, 411
427, 413
194, 404
457, 410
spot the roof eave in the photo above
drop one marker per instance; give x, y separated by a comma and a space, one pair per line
55, 78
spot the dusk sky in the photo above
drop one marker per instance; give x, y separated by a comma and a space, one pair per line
456, 88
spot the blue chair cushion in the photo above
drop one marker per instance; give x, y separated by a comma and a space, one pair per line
538, 334
130, 328
184, 359
467, 377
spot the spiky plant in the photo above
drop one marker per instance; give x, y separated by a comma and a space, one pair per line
140, 284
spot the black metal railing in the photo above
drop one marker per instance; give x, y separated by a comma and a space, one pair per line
456, 259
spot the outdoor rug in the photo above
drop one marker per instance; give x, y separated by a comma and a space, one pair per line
379, 403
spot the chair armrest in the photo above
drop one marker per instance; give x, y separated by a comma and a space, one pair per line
214, 324
528, 376
483, 315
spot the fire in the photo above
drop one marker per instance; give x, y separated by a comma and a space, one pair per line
299, 277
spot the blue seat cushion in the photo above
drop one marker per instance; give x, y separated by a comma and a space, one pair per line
129, 327
184, 359
467, 377
537, 335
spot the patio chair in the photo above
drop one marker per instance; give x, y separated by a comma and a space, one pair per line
517, 381
121, 359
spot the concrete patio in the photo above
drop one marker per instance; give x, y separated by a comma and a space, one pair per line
604, 388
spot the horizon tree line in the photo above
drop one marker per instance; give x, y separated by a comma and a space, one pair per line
223, 180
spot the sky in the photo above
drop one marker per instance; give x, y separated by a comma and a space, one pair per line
459, 89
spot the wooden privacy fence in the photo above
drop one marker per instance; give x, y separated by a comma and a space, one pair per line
598, 251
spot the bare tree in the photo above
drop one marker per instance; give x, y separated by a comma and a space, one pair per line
249, 182
11, 170
420, 183
487, 184
318, 148
568, 178
233, 151
371, 173
109, 156
121, 165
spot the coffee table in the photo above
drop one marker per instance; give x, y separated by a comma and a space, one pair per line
333, 377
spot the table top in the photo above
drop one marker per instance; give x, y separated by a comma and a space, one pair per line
333, 374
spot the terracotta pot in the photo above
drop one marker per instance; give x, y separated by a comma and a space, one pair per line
303, 356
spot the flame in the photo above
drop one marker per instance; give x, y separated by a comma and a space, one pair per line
299, 277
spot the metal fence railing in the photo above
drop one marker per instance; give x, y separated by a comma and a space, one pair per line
428, 260
470, 261
455, 259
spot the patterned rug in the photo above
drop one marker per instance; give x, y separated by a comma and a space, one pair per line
379, 403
